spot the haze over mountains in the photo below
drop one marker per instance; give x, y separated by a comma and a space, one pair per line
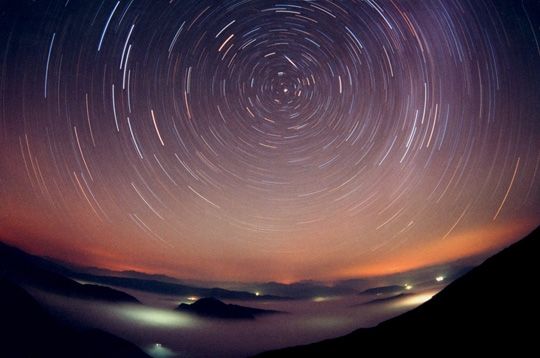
29, 331
165, 285
50, 276
28, 270
492, 309
484, 302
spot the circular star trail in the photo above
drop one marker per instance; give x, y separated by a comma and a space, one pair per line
268, 140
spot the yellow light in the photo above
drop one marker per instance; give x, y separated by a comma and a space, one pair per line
408, 287
192, 298
158, 350
157, 317
439, 278
257, 293
324, 298
415, 300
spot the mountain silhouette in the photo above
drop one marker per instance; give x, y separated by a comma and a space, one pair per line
493, 309
384, 290
387, 299
214, 308
171, 288
52, 276
303, 289
28, 270
29, 331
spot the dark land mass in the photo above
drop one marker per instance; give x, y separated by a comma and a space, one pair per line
28, 270
49, 275
387, 299
303, 289
421, 278
29, 331
175, 289
384, 290
491, 310
71, 269
214, 308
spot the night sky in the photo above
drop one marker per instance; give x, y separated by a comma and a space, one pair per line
268, 140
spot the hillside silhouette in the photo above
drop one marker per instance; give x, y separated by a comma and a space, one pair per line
214, 308
29, 331
493, 309
28, 270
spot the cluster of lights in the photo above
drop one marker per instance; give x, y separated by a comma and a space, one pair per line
409, 287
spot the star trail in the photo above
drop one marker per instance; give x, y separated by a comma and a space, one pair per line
255, 140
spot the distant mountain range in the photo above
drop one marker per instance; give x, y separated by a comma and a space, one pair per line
387, 299
173, 289
491, 310
48, 275
166, 285
214, 308
33, 271
303, 289
423, 278
384, 290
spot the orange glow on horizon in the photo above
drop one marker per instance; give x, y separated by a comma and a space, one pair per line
458, 246
481, 241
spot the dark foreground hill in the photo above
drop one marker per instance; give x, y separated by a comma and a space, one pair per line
29, 331
214, 308
493, 309
46, 274
29, 270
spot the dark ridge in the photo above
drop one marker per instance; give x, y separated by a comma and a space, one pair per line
169, 288
29, 331
387, 299
491, 310
303, 289
35, 271
214, 308
29, 270
384, 290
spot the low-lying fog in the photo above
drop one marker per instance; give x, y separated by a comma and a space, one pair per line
163, 332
